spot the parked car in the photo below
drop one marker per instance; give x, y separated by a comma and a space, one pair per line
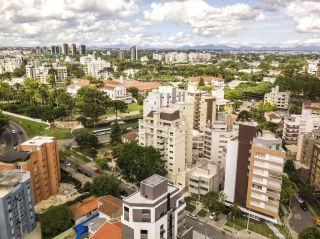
98, 171
13, 131
88, 174
301, 202
316, 221
212, 216
193, 215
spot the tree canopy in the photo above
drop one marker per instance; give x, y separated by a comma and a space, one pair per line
105, 184
309, 233
138, 163
214, 202
55, 220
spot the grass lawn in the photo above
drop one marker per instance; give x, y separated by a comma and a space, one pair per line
190, 208
133, 125
34, 128
68, 234
202, 213
260, 228
238, 228
134, 107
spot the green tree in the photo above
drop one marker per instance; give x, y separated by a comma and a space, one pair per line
55, 220
102, 163
19, 72
309, 233
133, 91
105, 184
118, 105
86, 139
183, 85
138, 163
115, 133
267, 125
201, 82
287, 190
244, 115
4, 123
214, 202
91, 103
235, 210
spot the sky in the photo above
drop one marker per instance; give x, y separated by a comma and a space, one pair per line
160, 24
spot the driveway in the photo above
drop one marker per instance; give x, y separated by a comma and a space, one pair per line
300, 219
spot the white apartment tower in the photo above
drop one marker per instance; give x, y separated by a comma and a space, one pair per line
163, 97
216, 139
281, 99
155, 211
170, 131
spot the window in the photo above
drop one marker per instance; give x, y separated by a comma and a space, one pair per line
144, 232
126, 209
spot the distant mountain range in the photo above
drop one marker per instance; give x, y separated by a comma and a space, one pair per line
212, 47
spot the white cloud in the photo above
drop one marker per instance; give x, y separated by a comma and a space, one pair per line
204, 19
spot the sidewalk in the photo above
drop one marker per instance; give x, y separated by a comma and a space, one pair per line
286, 220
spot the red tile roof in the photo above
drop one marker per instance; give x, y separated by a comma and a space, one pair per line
130, 136
109, 231
110, 206
83, 207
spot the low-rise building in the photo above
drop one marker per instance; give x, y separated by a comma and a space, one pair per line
206, 176
155, 211
129, 137
16, 204
281, 99
84, 209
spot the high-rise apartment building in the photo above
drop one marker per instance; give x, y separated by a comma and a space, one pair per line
40, 157
254, 170
55, 50
82, 49
65, 49
296, 124
134, 53
306, 142
73, 49
216, 138
163, 97
170, 131
281, 99
16, 204
94, 67
315, 168
121, 55
155, 211
204, 109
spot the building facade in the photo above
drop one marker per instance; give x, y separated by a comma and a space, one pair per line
281, 99
306, 142
170, 131
315, 168
134, 53
205, 109
156, 211
163, 97
216, 139
40, 157
16, 204
206, 176
254, 169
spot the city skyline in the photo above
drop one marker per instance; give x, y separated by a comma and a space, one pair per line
161, 24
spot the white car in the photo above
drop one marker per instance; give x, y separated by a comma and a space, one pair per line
212, 216
13, 131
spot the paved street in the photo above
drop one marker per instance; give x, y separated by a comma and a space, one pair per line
300, 219
12, 139
212, 232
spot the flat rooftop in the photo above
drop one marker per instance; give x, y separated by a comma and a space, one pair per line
39, 140
10, 178
154, 180
15, 156
137, 198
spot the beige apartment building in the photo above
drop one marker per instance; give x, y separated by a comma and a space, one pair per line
253, 173
40, 157
265, 175
306, 142
315, 168
170, 131
205, 108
